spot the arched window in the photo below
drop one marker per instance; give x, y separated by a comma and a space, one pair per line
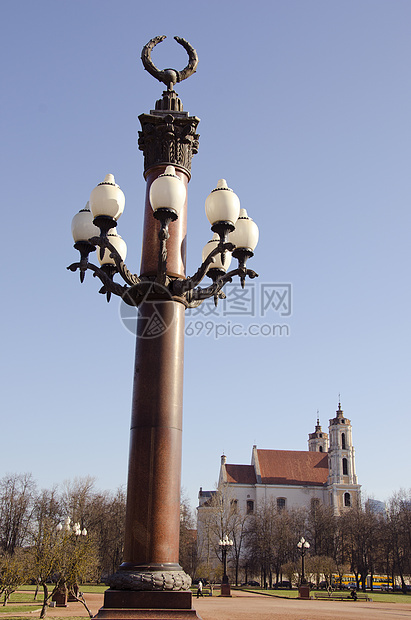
281, 503
250, 506
345, 467
320, 449
347, 500
343, 441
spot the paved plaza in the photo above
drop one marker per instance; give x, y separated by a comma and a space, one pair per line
249, 606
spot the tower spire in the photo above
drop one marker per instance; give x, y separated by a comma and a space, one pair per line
318, 441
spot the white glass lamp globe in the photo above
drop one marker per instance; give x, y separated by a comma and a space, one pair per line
118, 243
82, 227
107, 199
222, 204
168, 191
246, 232
209, 247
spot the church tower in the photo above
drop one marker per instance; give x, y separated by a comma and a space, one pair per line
318, 441
342, 480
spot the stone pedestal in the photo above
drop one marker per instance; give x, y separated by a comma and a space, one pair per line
60, 597
304, 592
225, 589
145, 605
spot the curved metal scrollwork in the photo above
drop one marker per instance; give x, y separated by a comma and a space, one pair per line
169, 77
186, 291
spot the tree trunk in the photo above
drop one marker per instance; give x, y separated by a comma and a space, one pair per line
45, 601
80, 598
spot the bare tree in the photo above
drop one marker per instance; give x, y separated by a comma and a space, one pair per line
320, 565
13, 572
219, 517
16, 504
188, 537
321, 529
360, 525
399, 530
62, 554
272, 539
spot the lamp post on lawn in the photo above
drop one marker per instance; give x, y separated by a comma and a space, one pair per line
225, 544
150, 576
65, 533
304, 590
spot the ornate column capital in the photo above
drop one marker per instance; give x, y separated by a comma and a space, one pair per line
167, 138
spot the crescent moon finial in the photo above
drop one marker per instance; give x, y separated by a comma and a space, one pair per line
169, 77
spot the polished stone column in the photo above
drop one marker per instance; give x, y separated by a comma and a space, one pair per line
150, 583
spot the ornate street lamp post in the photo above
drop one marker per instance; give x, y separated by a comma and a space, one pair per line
150, 576
304, 590
67, 533
225, 544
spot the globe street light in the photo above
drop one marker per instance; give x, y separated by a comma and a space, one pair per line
150, 576
225, 545
304, 589
65, 531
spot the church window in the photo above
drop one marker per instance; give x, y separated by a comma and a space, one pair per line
320, 449
321, 434
347, 500
315, 503
250, 506
280, 503
343, 441
345, 467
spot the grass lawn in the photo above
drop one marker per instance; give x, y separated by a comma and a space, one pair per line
16, 609
381, 597
26, 595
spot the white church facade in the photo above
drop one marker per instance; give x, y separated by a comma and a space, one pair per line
324, 473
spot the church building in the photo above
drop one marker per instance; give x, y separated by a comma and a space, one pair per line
324, 473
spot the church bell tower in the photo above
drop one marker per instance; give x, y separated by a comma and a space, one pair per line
318, 441
342, 480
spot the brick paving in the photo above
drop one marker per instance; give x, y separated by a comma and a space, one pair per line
249, 606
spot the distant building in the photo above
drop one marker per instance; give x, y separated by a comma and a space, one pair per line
376, 506
325, 473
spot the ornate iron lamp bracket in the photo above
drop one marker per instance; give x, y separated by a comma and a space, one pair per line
186, 291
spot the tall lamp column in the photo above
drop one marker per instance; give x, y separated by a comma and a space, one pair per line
225, 544
150, 583
304, 589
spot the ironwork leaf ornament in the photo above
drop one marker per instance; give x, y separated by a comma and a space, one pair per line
169, 77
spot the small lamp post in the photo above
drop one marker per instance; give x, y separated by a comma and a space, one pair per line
225, 544
62, 596
304, 589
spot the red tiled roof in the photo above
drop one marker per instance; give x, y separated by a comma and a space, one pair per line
293, 467
241, 474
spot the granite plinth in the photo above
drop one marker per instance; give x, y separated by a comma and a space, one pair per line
304, 592
225, 589
143, 605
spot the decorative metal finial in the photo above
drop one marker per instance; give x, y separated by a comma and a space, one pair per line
169, 77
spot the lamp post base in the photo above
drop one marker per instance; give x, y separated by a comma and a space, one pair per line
304, 592
225, 589
147, 605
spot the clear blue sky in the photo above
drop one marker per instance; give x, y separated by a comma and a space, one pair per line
305, 110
